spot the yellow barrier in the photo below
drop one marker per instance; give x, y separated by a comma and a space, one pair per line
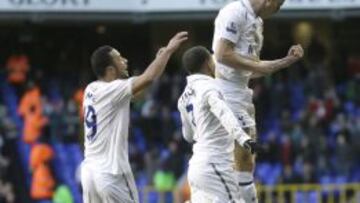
310, 193
344, 193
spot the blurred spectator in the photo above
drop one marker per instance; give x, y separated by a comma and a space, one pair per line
288, 176
8, 134
286, 123
286, 150
30, 109
342, 155
78, 98
182, 190
308, 174
17, 66
54, 111
40, 153
150, 122
167, 123
7, 126
62, 195
43, 183
6, 193
152, 163
272, 149
174, 161
71, 122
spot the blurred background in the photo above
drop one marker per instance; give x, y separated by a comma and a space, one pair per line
308, 116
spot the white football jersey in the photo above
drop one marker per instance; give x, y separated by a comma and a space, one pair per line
238, 23
106, 122
208, 121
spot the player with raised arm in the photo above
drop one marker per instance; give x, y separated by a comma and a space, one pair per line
237, 43
106, 174
213, 128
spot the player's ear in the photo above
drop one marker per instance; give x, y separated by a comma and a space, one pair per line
208, 66
268, 3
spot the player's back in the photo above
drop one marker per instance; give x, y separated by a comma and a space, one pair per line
212, 143
106, 119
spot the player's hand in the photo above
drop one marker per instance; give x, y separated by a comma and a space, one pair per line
296, 51
252, 146
176, 41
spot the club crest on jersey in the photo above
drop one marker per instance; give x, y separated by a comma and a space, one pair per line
231, 28
90, 96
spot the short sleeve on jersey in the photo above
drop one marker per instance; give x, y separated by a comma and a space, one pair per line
120, 89
229, 25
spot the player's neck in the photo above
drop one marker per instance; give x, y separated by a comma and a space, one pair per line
107, 78
205, 72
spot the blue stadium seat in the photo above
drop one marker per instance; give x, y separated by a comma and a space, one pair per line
66, 165
262, 171
355, 175
297, 97
177, 118
140, 139
349, 107
153, 197
324, 180
310, 197
44, 201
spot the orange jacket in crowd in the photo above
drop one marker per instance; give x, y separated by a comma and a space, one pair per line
40, 153
30, 102
17, 67
33, 126
43, 183
31, 109
186, 191
79, 97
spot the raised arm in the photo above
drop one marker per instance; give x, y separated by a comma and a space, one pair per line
225, 53
156, 68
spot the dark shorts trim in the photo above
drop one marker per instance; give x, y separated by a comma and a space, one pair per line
128, 186
223, 182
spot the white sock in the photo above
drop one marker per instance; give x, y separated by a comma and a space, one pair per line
247, 187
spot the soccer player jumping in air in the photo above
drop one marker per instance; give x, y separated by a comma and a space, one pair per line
237, 43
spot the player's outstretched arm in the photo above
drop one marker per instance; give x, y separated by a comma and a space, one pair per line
225, 53
156, 68
228, 120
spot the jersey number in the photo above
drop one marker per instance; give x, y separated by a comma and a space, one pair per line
190, 110
90, 122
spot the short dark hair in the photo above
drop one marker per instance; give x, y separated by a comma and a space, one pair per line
101, 59
194, 58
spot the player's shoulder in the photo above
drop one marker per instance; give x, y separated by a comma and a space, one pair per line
184, 96
205, 84
181, 100
98, 84
235, 8
91, 87
232, 5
